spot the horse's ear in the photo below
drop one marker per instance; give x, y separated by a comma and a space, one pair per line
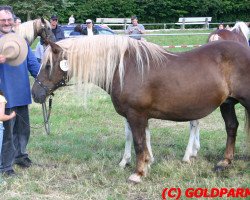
54, 47
43, 20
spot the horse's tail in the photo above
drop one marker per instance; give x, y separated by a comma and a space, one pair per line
247, 129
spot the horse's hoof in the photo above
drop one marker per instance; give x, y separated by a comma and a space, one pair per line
186, 160
219, 169
194, 154
124, 163
222, 165
135, 178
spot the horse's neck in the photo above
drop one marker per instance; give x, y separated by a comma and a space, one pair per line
25, 31
239, 31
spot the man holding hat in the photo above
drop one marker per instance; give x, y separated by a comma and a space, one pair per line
16, 61
58, 32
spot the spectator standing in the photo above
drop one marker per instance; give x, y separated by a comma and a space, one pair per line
71, 20
17, 21
77, 30
59, 35
39, 51
221, 26
135, 28
90, 29
16, 87
58, 32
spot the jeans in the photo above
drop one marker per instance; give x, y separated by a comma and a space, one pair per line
1, 137
15, 138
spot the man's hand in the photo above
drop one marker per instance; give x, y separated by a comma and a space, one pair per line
2, 58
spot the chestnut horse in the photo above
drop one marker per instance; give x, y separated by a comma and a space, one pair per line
145, 81
238, 33
33, 28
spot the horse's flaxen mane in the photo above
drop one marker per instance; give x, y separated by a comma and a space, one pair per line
95, 58
241, 26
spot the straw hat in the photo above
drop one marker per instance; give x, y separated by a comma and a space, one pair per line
14, 48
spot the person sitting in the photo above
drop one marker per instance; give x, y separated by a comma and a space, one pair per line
90, 29
77, 30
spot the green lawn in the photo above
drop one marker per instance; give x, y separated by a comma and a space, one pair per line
79, 159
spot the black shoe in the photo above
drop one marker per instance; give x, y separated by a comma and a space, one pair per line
23, 162
9, 173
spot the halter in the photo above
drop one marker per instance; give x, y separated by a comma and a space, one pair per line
48, 90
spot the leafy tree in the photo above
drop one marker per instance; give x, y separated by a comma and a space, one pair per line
148, 11
30, 9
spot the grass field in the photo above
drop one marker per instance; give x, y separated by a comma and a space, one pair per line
79, 159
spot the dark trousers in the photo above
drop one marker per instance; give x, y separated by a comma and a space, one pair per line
15, 137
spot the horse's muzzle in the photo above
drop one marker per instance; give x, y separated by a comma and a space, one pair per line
38, 93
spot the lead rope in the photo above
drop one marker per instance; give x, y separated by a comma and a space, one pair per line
46, 114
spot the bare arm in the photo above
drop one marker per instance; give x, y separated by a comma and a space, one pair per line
3, 116
2, 58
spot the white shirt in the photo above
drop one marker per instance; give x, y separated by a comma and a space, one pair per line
39, 50
90, 32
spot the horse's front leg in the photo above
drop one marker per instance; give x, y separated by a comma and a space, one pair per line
194, 141
229, 116
138, 124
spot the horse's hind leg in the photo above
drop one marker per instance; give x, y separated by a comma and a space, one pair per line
194, 141
228, 113
127, 152
129, 139
138, 124
148, 141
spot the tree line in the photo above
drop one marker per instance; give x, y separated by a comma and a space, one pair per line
148, 11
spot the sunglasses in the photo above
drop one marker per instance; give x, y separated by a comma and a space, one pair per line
88, 22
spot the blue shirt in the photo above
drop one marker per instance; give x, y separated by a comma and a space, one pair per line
14, 81
134, 30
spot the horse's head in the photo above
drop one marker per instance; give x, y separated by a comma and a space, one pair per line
52, 75
43, 29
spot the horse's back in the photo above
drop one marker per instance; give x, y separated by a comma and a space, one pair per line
186, 86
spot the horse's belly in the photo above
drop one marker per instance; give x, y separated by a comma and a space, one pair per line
184, 109
181, 115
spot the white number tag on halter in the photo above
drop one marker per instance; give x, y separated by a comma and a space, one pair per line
64, 65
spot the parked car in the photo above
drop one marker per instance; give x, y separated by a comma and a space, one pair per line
67, 29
